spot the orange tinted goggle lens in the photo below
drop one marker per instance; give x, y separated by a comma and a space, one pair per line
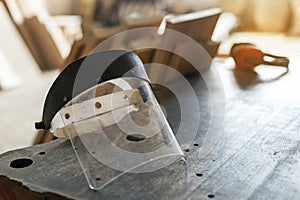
247, 56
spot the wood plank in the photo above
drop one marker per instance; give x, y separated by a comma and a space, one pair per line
14, 72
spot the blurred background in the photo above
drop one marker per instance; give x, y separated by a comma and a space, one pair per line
38, 38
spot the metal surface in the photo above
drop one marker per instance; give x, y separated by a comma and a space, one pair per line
257, 157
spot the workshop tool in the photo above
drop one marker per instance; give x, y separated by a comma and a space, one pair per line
248, 56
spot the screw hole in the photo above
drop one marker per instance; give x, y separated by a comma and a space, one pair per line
211, 196
186, 150
214, 160
98, 105
199, 174
21, 163
98, 179
135, 137
42, 153
67, 115
65, 99
196, 145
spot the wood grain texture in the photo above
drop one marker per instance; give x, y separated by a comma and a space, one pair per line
256, 157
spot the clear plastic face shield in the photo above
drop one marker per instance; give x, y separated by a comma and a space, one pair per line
117, 127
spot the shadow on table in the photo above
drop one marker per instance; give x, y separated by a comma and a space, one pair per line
249, 78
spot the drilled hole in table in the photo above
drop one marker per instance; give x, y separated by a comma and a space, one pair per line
98, 179
135, 137
42, 153
186, 150
199, 174
210, 196
21, 163
196, 145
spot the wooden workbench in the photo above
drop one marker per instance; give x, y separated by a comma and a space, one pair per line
256, 157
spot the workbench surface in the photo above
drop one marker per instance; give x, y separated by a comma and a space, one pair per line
257, 155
